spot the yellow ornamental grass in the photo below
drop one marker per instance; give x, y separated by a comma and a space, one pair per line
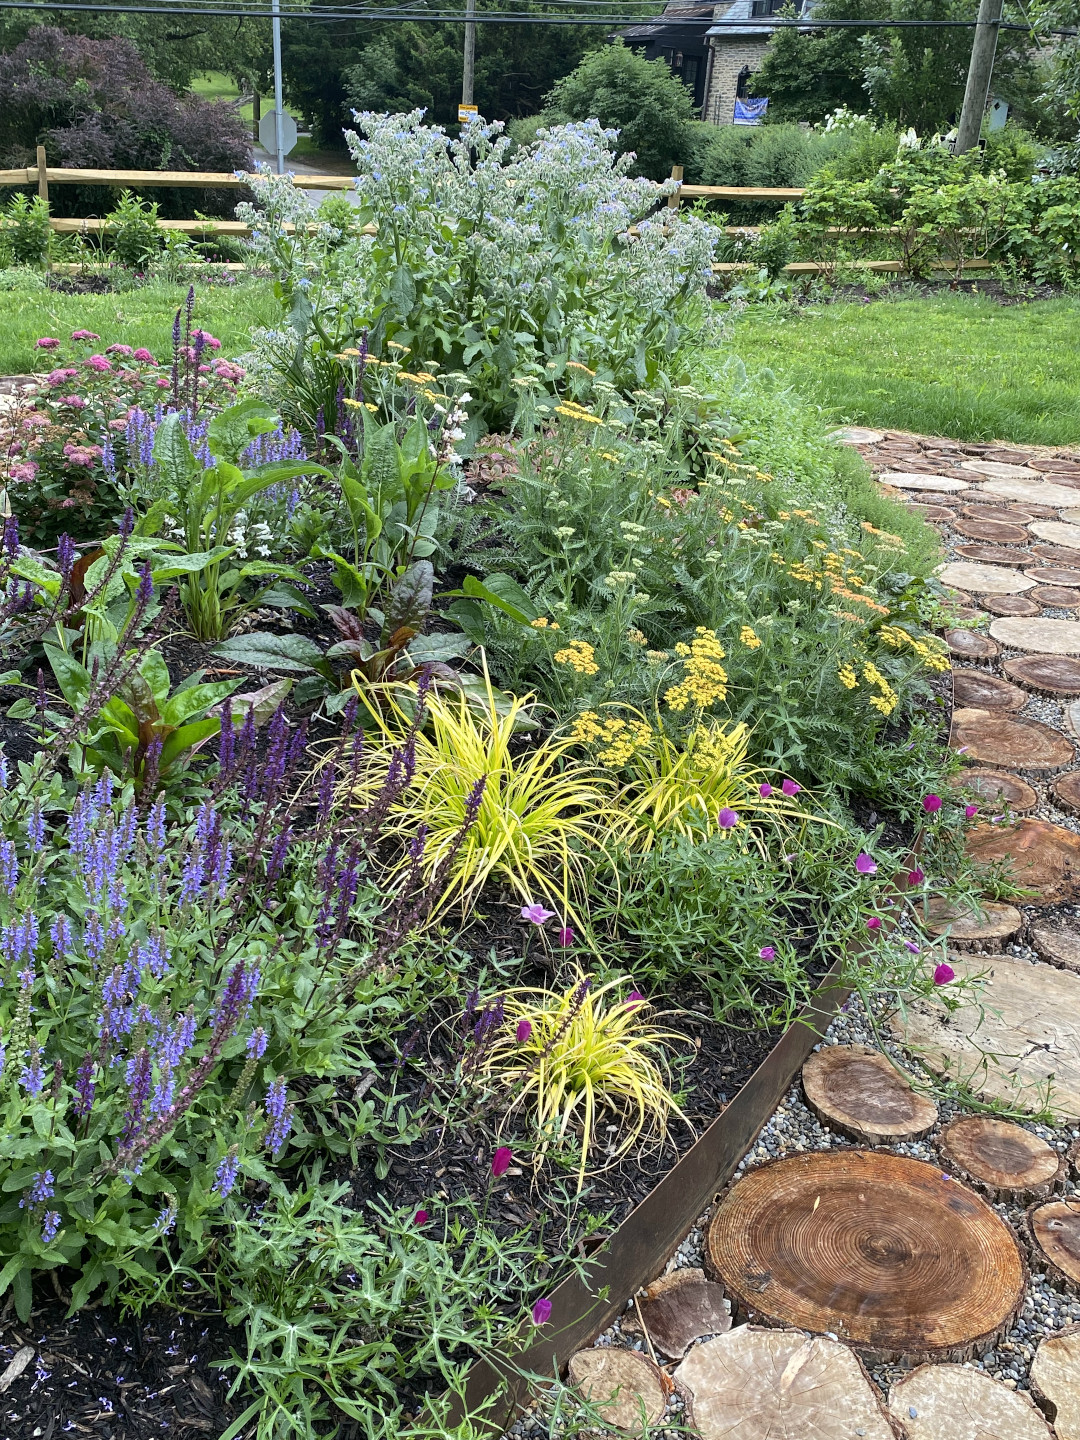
585, 1051
539, 816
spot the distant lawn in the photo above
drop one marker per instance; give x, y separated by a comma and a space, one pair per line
139, 317
956, 365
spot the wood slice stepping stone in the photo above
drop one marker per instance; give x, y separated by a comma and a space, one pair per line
1053, 1230
1010, 742
970, 645
952, 1402
1072, 516
1043, 636
1042, 857
1060, 465
997, 532
970, 929
910, 480
999, 470
625, 1387
1046, 674
757, 1384
1031, 492
1057, 532
998, 514
1010, 1041
979, 690
930, 512
984, 579
858, 1092
1057, 597
856, 435
1012, 457
1003, 1160
997, 787
1072, 718
1055, 1381
1066, 792
1057, 555
878, 1249
993, 555
1010, 605
1057, 945
678, 1309
1055, 575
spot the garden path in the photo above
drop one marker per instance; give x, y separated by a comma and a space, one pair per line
905, 1258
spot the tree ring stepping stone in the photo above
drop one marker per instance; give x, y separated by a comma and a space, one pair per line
1010, 605
1055, 1381
952, 1402
968, 929
759, 1384
930, 512
678, 1309
878, 1249
857, 1091
856, 435
1058, 597
1011, 457
993, 555
1057, 532
1055, 575
623, 1385
1066, 792
984, 579
999, 470
979, 690
1033, 491
1053, 637
1053, 1230
1046, 674
999, 513
997, 787
970, 645
1058, 946
1007, 1041
910, 480
1057, 555
998, 532
1004, 1161
1010, 742
1042, 857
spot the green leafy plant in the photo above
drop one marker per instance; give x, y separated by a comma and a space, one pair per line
132, 228
25, 233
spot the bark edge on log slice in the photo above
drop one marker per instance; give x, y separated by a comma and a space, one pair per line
968, 932
1053, 1232
1046, 674
952, 1402
982, 690
1066, 792
1003, 1160
881, 1250
1055, 1381
1057, 946
616, 1381
857, 1091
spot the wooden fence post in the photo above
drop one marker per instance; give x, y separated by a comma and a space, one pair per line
42, 175
676, 174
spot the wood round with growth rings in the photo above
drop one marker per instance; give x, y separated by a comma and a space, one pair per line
879, 1249
1004, 1160
857, 1091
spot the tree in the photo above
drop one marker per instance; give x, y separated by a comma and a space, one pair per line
651, 109
806, 76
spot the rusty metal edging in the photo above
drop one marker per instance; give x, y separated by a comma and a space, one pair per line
638, 1250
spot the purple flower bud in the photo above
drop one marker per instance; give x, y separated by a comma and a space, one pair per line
65, 555
50, 1224
145, 591
541, 1312
524, 1030
500, 1161
227, 1172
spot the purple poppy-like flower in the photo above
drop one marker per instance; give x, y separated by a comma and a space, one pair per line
500, 1161
50, 1224
541, 1312
970, 811
524, 1030
943, 974
765, 791
227, 1172
790, 787
931, 804
916, 876
727, 819
874, 923
566, 935
865, 864
634, 999
767, 952
420, 1218
536, 914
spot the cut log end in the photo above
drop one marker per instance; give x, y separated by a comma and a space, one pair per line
857, 1092
1053, 1232
1055, 1381
951, 1402
625, 1388
971, 930
1004, 1161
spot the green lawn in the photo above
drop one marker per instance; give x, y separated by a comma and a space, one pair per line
139, 317
955, 365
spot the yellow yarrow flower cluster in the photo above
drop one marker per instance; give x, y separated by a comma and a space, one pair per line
704, 678
714, 749
620, 739
748, 638
848, 678
932, 656
580, 656
636, 636
543, 623
888, 699
573, 411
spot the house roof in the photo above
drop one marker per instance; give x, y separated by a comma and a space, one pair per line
738, 10
693, 18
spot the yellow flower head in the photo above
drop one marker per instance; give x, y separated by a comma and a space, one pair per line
579, 655
704, 679
748, 638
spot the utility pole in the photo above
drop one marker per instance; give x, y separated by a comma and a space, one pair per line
983, 49
470, 53
279, 138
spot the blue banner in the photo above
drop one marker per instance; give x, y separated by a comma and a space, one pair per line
750, 112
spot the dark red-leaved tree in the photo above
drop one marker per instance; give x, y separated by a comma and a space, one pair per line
94, 104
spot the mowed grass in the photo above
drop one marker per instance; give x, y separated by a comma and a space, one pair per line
957, 365
137, 317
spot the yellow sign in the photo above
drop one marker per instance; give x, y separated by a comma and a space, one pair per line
466, 112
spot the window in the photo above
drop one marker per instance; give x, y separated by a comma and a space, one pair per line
773, 7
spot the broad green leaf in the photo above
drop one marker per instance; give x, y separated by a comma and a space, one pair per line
187, 736
186, 703
173, 453
272, 652
505, 594
233, 430
73, 678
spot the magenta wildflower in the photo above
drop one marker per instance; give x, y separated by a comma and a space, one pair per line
931, 803
943, 974
874, 923
910, 945
99, 363
144, 355
790, 787
536, 914
500, 1161
566, 935
865, 864
47, 343
634, 999
764, 791
767, 952
541, 1312
524, 1030
420, 1218
916, 876
727, 819
970, 811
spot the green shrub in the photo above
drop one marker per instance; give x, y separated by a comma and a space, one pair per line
133, 231
783, 155
24, 231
